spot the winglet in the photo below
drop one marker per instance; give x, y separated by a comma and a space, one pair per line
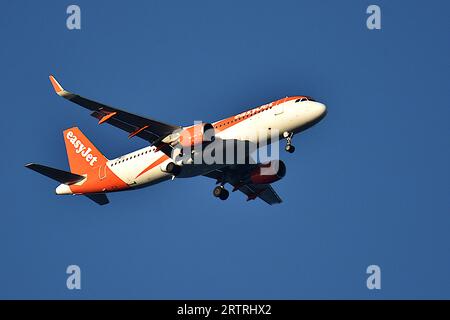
58, 89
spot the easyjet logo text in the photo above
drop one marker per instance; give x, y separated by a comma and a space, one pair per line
80, 148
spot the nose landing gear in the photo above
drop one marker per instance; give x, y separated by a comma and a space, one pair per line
221, 193
289, 147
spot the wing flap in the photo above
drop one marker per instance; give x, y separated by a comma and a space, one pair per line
263, 191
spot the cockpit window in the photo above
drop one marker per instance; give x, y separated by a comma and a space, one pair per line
304, 99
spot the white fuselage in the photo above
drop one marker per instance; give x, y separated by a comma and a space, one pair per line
146, 166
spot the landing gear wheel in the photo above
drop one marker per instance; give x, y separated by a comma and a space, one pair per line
288, 136
217, 191
221, 193
225, 194
289, 148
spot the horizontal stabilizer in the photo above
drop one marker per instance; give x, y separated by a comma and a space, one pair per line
56, 174
99, 198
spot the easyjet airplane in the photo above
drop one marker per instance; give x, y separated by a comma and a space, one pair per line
93, 175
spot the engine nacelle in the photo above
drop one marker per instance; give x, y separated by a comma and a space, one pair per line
197, 134
268, 172
171, 168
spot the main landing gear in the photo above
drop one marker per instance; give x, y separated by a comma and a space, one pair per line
288, 136
221, 193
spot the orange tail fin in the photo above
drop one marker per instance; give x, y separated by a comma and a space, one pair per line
82, 154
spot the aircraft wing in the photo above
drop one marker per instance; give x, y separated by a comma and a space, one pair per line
263, 191
148, 129
232, 175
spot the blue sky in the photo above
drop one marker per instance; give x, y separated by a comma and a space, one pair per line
368, 185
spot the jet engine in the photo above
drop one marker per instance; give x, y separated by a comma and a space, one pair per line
268, 172
197, 134
191, 136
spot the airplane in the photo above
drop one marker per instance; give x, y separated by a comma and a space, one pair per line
93, 175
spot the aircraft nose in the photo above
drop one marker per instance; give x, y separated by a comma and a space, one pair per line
320, 109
